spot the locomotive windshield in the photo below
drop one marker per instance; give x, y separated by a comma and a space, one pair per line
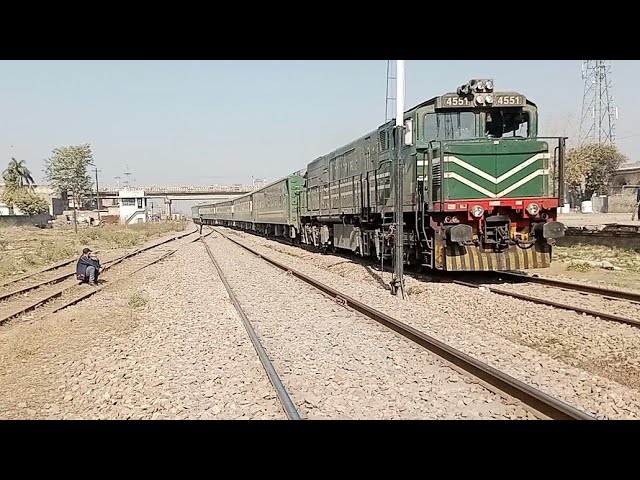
450, 126
507, 123
499, 123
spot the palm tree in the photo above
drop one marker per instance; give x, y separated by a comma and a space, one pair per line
17, 171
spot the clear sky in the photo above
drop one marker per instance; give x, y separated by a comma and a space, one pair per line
206, 122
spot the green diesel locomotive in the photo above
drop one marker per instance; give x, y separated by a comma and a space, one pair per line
481, 189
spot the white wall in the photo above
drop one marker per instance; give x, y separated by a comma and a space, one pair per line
132, 201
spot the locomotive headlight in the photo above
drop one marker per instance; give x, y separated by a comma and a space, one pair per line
488, 99
479, 99
488, 85
533, 208
479, 85
477, 211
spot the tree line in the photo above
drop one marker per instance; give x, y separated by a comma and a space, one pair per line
66, 171
588, 169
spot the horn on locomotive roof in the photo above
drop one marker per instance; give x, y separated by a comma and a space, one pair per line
475, 85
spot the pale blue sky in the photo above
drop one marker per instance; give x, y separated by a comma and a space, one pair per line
206, 122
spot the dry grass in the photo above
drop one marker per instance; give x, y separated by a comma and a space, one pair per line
579, 267
626, 259
137, 300
27, 248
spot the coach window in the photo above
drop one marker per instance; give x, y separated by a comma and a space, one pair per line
449, 126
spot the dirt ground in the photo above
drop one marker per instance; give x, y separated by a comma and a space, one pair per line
580, 262
584, 219
583, 263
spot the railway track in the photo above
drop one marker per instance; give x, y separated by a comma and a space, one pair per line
5, 286
613, 299
578, 287
285, 400
52, 294
48, 275
611, 295
536, 399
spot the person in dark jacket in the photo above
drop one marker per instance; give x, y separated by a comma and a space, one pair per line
636, 208
88, 268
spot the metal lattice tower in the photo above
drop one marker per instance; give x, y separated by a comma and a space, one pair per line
597, 122
390, 103
127, 174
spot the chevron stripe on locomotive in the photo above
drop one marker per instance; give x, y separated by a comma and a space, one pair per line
481, 188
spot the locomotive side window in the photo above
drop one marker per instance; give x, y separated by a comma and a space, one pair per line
507, 123
450, 126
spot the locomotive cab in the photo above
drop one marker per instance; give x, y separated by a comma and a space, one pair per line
487, 180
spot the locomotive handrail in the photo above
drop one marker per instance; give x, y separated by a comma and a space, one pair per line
430, 171
421, 146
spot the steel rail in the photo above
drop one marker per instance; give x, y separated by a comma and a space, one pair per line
551, 303
283, 395
48, 268
60, 292
578, 287
612, 294
64, 276
547, 405
148, 264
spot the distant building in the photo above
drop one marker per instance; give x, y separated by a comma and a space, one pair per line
55, 203
625, 180
133, 206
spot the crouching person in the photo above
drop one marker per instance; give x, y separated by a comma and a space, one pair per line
88, 268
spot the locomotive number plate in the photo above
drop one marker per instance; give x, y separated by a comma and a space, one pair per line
508, 100
452, 101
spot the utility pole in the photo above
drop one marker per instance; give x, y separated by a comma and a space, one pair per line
97, 193
397, 281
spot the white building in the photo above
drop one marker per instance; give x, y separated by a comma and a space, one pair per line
8, 210
4, 209
133, 206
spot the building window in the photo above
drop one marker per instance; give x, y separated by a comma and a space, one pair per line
128, 202
139, 203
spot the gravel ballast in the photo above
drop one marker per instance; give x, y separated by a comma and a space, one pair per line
338, 364
597, 303
589, 363
167, 344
